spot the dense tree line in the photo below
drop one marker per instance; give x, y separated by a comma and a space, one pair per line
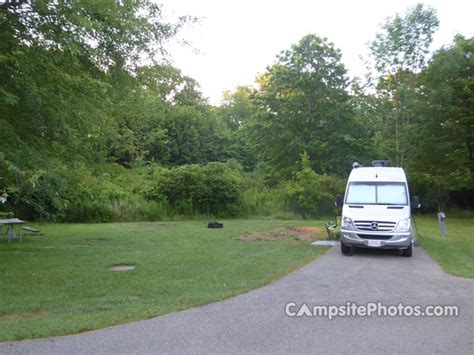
96, 124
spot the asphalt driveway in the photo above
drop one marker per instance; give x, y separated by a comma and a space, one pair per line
256, 321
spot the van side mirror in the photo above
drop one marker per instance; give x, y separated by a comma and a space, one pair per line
339, 201
415, 202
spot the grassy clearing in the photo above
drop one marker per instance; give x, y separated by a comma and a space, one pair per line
63, 284
455, 252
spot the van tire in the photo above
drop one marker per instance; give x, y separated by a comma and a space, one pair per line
408, 251
346, 249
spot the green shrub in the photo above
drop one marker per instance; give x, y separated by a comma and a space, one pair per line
137, 208
189, 189
60, 193
311, 194
44, 194
439, 193
259, 199
54, 191
432, 190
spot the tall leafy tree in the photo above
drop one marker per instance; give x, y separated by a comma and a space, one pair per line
237, 112
443, 139
237, 107
400, 51
142, 107
304, 107
55, 57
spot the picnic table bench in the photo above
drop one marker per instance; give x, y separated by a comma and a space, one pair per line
11, 234
30, 231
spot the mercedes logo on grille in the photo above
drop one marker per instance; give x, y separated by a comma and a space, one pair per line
374, 226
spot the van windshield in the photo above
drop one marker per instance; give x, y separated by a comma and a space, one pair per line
377, 193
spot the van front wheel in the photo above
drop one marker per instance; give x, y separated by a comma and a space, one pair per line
408, 251
346, 249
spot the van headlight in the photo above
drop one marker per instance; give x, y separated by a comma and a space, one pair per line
404, 224
347, 223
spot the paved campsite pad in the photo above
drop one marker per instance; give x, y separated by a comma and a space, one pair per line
286, 233
256, 322
326, 242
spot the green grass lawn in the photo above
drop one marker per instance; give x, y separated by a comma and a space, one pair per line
62, 283
455, 252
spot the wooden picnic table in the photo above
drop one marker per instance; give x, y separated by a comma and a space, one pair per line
10, 223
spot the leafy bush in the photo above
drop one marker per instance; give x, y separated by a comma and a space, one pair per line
311, 194
110, 192
260, 200
438, 193
210, 189
432, 191
137, 208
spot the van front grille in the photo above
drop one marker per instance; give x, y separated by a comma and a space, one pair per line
374, 226
375, 236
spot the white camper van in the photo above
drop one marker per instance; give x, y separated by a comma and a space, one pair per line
376, 209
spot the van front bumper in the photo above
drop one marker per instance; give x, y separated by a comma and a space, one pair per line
361, 239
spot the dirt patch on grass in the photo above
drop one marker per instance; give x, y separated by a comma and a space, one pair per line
309, 230
16, 316
309, 234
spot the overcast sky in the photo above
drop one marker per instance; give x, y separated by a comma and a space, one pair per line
236, 40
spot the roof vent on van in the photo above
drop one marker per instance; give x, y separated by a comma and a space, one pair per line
381, 163
355, 165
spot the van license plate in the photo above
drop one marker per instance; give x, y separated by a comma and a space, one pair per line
375, 243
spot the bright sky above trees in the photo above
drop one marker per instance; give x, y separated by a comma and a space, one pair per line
238, 39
